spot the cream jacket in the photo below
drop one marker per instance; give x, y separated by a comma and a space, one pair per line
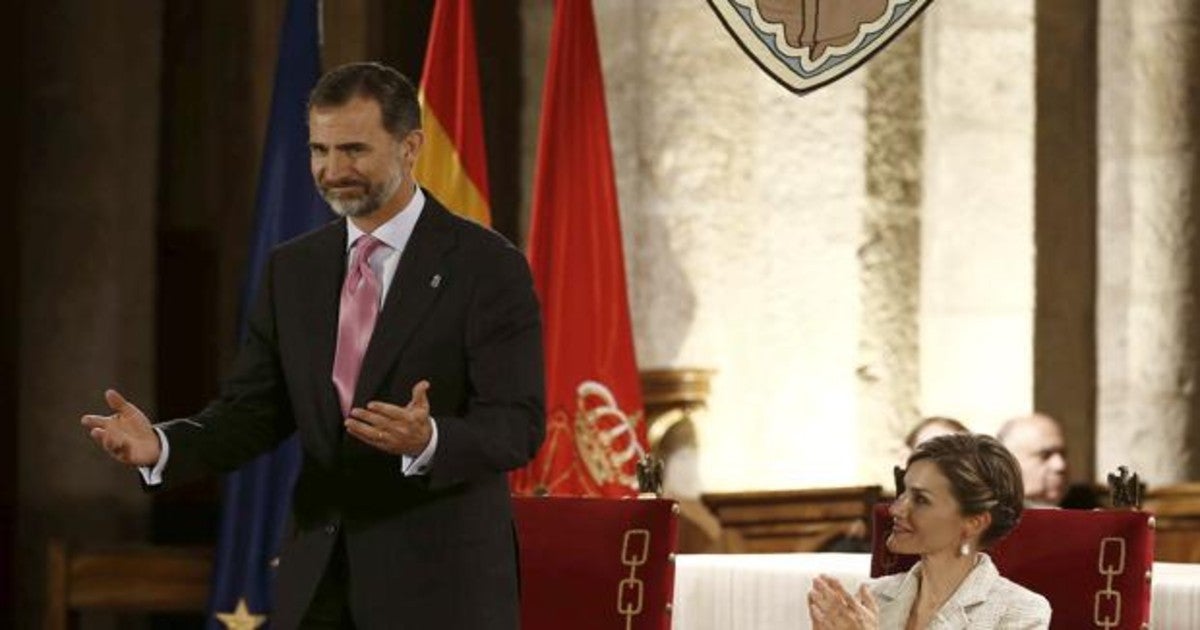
984, 601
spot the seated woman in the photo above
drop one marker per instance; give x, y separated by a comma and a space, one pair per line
961, 493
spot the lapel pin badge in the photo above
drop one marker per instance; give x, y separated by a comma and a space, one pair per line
435, 280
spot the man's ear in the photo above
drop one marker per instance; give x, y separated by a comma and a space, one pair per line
413, 143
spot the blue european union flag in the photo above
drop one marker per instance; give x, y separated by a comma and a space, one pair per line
257, 498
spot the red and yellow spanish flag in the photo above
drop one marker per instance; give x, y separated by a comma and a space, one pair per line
595, 429
453, 163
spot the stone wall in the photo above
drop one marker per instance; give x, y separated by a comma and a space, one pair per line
977, 257
1149, 111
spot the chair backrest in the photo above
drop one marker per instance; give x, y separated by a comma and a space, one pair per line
596, 563
128, 579
1094, 566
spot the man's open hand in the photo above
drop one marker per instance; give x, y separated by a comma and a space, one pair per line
125, 434
394, 429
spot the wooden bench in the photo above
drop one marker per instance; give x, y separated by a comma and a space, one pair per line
792, 520
1176, 511
141, 579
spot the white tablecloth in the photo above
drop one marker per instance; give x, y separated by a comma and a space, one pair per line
1175, 596
767, 591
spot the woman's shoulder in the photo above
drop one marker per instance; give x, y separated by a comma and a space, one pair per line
884, 581
1020, 602
895, 587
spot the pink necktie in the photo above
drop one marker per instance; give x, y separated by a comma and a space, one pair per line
356, 319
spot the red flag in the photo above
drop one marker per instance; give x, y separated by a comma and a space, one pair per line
453, 163
595, 432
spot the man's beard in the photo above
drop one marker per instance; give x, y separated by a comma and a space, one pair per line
371, 201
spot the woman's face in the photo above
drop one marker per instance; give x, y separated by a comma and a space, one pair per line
927, 517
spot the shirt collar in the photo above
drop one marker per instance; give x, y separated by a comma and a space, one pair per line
396, 232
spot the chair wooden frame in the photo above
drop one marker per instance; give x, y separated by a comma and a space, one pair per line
140, 579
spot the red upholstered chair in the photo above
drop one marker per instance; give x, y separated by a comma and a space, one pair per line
596, 563
1093, 566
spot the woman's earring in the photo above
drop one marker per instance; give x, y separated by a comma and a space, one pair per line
964, 549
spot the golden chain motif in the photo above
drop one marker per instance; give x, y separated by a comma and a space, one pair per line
1111, 563
635, 550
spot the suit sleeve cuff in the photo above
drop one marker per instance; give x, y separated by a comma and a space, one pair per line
419, 465
153, 476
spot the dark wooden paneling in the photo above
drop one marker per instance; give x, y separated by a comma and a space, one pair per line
785, 521
218, 64
498, 41
15, 48
1176, 510
498, 31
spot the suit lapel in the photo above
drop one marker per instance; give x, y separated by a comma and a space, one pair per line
324, 274
972, 592
420, 275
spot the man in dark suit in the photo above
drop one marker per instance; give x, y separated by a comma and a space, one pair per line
404, 345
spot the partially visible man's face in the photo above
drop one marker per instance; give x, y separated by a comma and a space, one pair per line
1039, 447
356, 163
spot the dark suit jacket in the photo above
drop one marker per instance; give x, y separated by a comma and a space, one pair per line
434, 551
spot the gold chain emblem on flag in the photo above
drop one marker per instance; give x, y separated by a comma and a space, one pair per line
606, 436
1111, 564
635, 550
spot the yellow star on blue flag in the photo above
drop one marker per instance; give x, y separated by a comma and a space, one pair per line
241, 618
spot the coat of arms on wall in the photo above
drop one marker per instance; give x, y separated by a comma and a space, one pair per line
806, 44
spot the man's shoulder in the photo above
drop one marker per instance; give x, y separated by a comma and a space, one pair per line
474, 239
328, 235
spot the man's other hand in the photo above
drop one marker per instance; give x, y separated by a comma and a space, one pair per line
125, 434
394, 429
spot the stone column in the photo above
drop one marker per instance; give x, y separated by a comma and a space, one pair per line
977, 254
890, 256
1064, 357
87, 268
1149, 121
